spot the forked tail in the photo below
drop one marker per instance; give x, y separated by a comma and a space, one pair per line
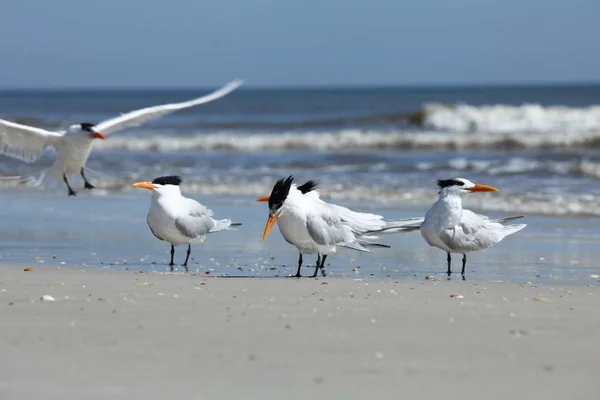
397, 225
510, 229
224, 224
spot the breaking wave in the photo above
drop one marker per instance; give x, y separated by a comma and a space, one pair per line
433, 127
557, 204
511, 119
515, 202
352, 140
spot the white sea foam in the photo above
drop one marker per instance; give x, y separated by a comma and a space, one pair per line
506, 202
510, 119
558, 204
352, 140
516, 165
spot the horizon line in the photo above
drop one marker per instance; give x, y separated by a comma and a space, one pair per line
488, 85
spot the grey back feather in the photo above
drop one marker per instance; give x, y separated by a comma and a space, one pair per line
194, 227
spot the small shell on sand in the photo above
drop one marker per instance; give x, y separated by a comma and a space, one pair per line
457, 296
47, 297
541, 299
28, 269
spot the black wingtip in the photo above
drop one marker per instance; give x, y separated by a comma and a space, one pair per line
384, 246
236, 224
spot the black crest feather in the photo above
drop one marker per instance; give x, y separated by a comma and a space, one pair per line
444, 183
307, 187
86, 126
168, 180
280, 193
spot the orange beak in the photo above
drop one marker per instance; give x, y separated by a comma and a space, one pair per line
270, 222
264, 198
482, 188
98, 135
145, 185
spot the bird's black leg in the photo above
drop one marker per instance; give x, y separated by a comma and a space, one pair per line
187, 257
464, 264
323, 265
319, 265
449, 261
71, 191
299, 265
87, 185
172, 255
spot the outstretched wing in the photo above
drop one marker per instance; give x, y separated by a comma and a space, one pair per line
25, 142
139, 117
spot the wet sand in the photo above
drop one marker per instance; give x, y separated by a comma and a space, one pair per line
98, 231
121, 334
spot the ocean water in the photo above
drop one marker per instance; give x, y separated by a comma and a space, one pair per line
376, 149
538, 145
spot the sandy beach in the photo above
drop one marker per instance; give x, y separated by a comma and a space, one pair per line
124, 334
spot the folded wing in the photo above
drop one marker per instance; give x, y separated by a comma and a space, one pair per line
194, 227
326, 228
476, 232
199, 221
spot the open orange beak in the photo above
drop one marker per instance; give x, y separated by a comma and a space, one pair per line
264, 198
270, 222
482, 188
145, 185
98, 135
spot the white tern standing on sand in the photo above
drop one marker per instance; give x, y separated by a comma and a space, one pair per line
177, 219
317, 227
74, 144
453, 229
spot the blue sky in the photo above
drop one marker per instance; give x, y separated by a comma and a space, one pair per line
182, 43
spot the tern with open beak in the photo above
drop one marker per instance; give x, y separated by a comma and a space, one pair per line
316, 227
73, 145
177, 219
448, 226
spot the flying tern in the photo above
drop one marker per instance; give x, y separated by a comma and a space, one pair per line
316, 227
448, 226
73, 145
177, 219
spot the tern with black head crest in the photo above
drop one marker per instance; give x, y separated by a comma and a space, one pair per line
73, 145
316, 227
177, 219
449, 227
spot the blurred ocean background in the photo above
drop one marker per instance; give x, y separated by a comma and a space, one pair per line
537, 144
374, 149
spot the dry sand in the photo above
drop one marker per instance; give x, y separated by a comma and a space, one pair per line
124, 335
